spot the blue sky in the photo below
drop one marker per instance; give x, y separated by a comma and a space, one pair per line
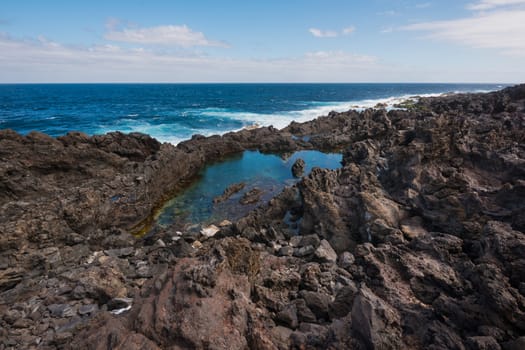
263, 41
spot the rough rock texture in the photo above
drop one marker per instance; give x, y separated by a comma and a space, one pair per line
228, 192
298, 168
417, 242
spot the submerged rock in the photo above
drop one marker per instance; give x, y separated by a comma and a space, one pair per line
228, 192
251, 197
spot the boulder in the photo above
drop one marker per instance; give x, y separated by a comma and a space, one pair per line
298, 167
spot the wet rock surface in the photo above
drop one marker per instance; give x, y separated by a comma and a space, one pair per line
417, 242
228, 192
298, 168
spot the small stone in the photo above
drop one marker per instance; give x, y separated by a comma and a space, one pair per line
144, 271
225, 223
79, 292
61, 310
22, 323
93, 257
344, 299
11, 316
196, 245
42, 327
160, 243
303, 251
304, 314
312, 240
346, 260
295, 240
319, 303
62, 337
89, 309
288, 316
286, 251
120, 253
210, 231
275, 246
325, 252
35, 315
282, 336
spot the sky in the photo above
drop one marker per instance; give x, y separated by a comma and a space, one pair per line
262, 41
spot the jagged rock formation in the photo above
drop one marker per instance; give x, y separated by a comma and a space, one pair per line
298, 168
417, 242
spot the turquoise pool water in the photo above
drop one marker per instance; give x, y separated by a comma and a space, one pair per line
267, 172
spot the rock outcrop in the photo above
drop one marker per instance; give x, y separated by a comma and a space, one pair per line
417, 242
298, 168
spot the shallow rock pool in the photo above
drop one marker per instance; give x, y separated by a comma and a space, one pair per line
267, 173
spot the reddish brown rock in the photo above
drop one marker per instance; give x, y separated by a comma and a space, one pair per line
417, 242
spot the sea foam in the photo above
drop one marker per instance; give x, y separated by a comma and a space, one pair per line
214, 117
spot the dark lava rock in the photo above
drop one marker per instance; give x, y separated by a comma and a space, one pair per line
298, 168
304, 313
61, 310
252, 196
288, 316
228, 192
425, 219
325, 252
317, 302
89, 309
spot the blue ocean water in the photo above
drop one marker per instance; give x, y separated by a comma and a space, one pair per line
174, 112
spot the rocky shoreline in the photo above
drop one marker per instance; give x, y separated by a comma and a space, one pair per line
417, 242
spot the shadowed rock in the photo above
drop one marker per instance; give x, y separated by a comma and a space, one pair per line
298, 168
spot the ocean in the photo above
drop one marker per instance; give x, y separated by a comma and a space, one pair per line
174, 112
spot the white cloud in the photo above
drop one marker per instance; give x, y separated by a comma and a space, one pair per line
502, 30
491, 4
340, 57
43, 60
112, 23
318, 33
348, 30
161, 35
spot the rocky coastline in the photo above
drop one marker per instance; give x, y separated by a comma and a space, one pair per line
417, 242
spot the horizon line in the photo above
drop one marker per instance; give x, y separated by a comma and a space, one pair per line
254, 83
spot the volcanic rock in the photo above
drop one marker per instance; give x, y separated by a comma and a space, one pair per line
298, 168
228, 192
424, 219
252, 196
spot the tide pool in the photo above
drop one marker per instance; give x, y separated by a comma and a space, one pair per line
267, 172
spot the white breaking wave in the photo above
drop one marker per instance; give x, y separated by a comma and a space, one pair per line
281, 120
176, 133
